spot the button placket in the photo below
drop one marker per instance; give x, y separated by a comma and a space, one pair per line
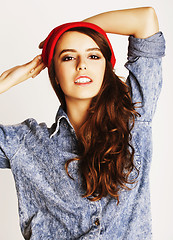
96, 218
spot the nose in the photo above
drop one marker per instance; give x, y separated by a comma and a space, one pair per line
81, 68
81, 65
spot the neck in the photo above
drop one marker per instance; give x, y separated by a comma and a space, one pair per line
77, 111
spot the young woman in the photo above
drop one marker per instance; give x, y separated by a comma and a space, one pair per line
87, 177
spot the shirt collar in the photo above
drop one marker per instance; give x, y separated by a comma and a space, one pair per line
60, 115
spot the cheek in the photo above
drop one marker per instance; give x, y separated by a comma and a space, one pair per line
60, 74
63, 79
101, 71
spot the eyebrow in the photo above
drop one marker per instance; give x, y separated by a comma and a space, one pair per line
73, 50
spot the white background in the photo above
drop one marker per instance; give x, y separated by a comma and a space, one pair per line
23, 24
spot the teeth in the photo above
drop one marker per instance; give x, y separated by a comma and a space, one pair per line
82, 80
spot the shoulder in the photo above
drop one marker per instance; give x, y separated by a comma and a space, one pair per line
34, 128
19, 131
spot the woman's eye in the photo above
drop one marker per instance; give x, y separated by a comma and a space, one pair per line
67, 58
94, 57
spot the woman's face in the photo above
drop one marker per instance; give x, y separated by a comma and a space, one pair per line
79, 66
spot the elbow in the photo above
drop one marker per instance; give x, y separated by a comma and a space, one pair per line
153, 17
149, 23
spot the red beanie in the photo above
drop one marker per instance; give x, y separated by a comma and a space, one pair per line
55, 34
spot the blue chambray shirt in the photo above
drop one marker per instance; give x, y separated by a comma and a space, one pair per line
50, 203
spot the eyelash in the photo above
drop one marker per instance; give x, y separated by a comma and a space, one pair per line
69, 58
94, 57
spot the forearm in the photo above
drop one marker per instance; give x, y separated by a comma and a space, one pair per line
139, 22
21, 73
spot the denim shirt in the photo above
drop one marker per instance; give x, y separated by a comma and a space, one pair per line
50, 203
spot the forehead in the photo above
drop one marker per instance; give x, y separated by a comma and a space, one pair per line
75, 40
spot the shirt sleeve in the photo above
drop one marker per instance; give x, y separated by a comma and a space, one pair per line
10, 140
145, 73
4, 163
6, 136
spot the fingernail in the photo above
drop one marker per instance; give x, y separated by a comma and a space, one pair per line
32, 71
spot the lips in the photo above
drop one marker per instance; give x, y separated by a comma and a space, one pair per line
83, 80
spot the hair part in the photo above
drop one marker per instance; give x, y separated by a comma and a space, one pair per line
105, 153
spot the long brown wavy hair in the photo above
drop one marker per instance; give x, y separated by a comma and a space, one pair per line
105, 153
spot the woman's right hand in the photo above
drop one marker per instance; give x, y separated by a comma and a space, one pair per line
21, 73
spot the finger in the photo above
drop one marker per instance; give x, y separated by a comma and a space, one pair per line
37, 70
37, 60
32, 65
41, 44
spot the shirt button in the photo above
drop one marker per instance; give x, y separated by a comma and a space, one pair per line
97, 222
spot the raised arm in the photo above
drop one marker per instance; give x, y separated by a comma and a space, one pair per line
139, 22
21, 73
144, 55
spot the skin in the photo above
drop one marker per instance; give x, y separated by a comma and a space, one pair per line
78, 56
18, 74
139, 22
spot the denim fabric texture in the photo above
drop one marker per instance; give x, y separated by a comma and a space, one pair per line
50, 203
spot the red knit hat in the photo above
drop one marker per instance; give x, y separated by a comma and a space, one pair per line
55, 34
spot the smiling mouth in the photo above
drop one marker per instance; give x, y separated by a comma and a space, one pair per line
83, 80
